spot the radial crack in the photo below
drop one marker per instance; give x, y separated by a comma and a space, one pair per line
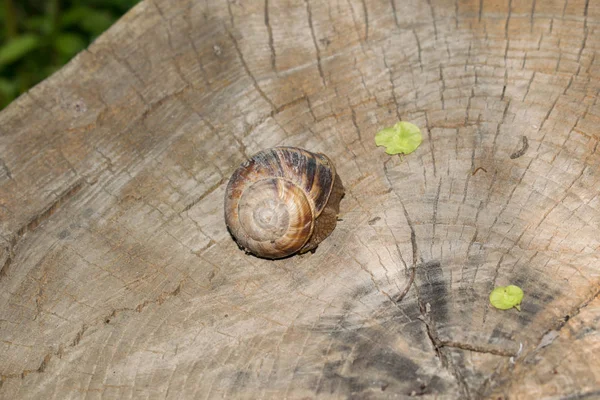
247, 70
271, 42
6, 169
314, 38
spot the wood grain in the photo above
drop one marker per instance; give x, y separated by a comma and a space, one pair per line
118, 278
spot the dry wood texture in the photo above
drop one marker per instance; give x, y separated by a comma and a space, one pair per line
119, 279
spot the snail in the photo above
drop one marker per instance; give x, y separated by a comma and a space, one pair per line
283, 201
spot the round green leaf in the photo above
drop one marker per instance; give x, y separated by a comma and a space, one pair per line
403, 137
506, 297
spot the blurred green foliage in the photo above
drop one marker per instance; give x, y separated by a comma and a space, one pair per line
37, 37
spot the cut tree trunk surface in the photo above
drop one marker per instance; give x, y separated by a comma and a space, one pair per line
118, 276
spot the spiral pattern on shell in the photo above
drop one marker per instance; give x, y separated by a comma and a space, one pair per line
273, 199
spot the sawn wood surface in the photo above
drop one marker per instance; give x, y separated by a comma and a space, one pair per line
119, 279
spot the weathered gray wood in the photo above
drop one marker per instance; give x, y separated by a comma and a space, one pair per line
118, 277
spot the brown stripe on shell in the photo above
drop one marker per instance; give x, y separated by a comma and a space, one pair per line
301, 172
295, 163
323, 184
299, 226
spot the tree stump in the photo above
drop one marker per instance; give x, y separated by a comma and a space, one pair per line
118, 276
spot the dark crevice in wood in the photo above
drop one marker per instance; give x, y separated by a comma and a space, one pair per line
436, 201
247, 69
433, 21
366, 17
392, 84
431, 145
546, 118
150, 107
393, 3
398, 298
499, 125
477, 349
425, 317
158, 9
563, 321
36, 221
506, 28
314, 38
438, 346
42, 367
310, 108
230, 12
4, 269
287, 105
79, 335
4, 167
430, 328
271, 41
525, 358
413, 240
419, 51
353, 115
203, 195
531, 20
188, 32
50, 210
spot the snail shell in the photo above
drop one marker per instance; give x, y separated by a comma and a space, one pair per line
282, 201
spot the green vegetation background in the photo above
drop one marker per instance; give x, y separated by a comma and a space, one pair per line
37, 37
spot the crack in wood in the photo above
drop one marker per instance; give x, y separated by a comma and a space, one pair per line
436, 201
247, 69
433, 21
36, 221
80, 333
6, 265
419, 51
393, 3
398, 298
210, 190
230, 12
4, 167
318, 50
271, 41
314, 38
431, 144
188, 33
563, 321
477, 348
397, 106
531, 15
525, 358
366, 18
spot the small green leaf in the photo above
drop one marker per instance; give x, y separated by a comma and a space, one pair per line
505, 297
18, 47
403, 137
